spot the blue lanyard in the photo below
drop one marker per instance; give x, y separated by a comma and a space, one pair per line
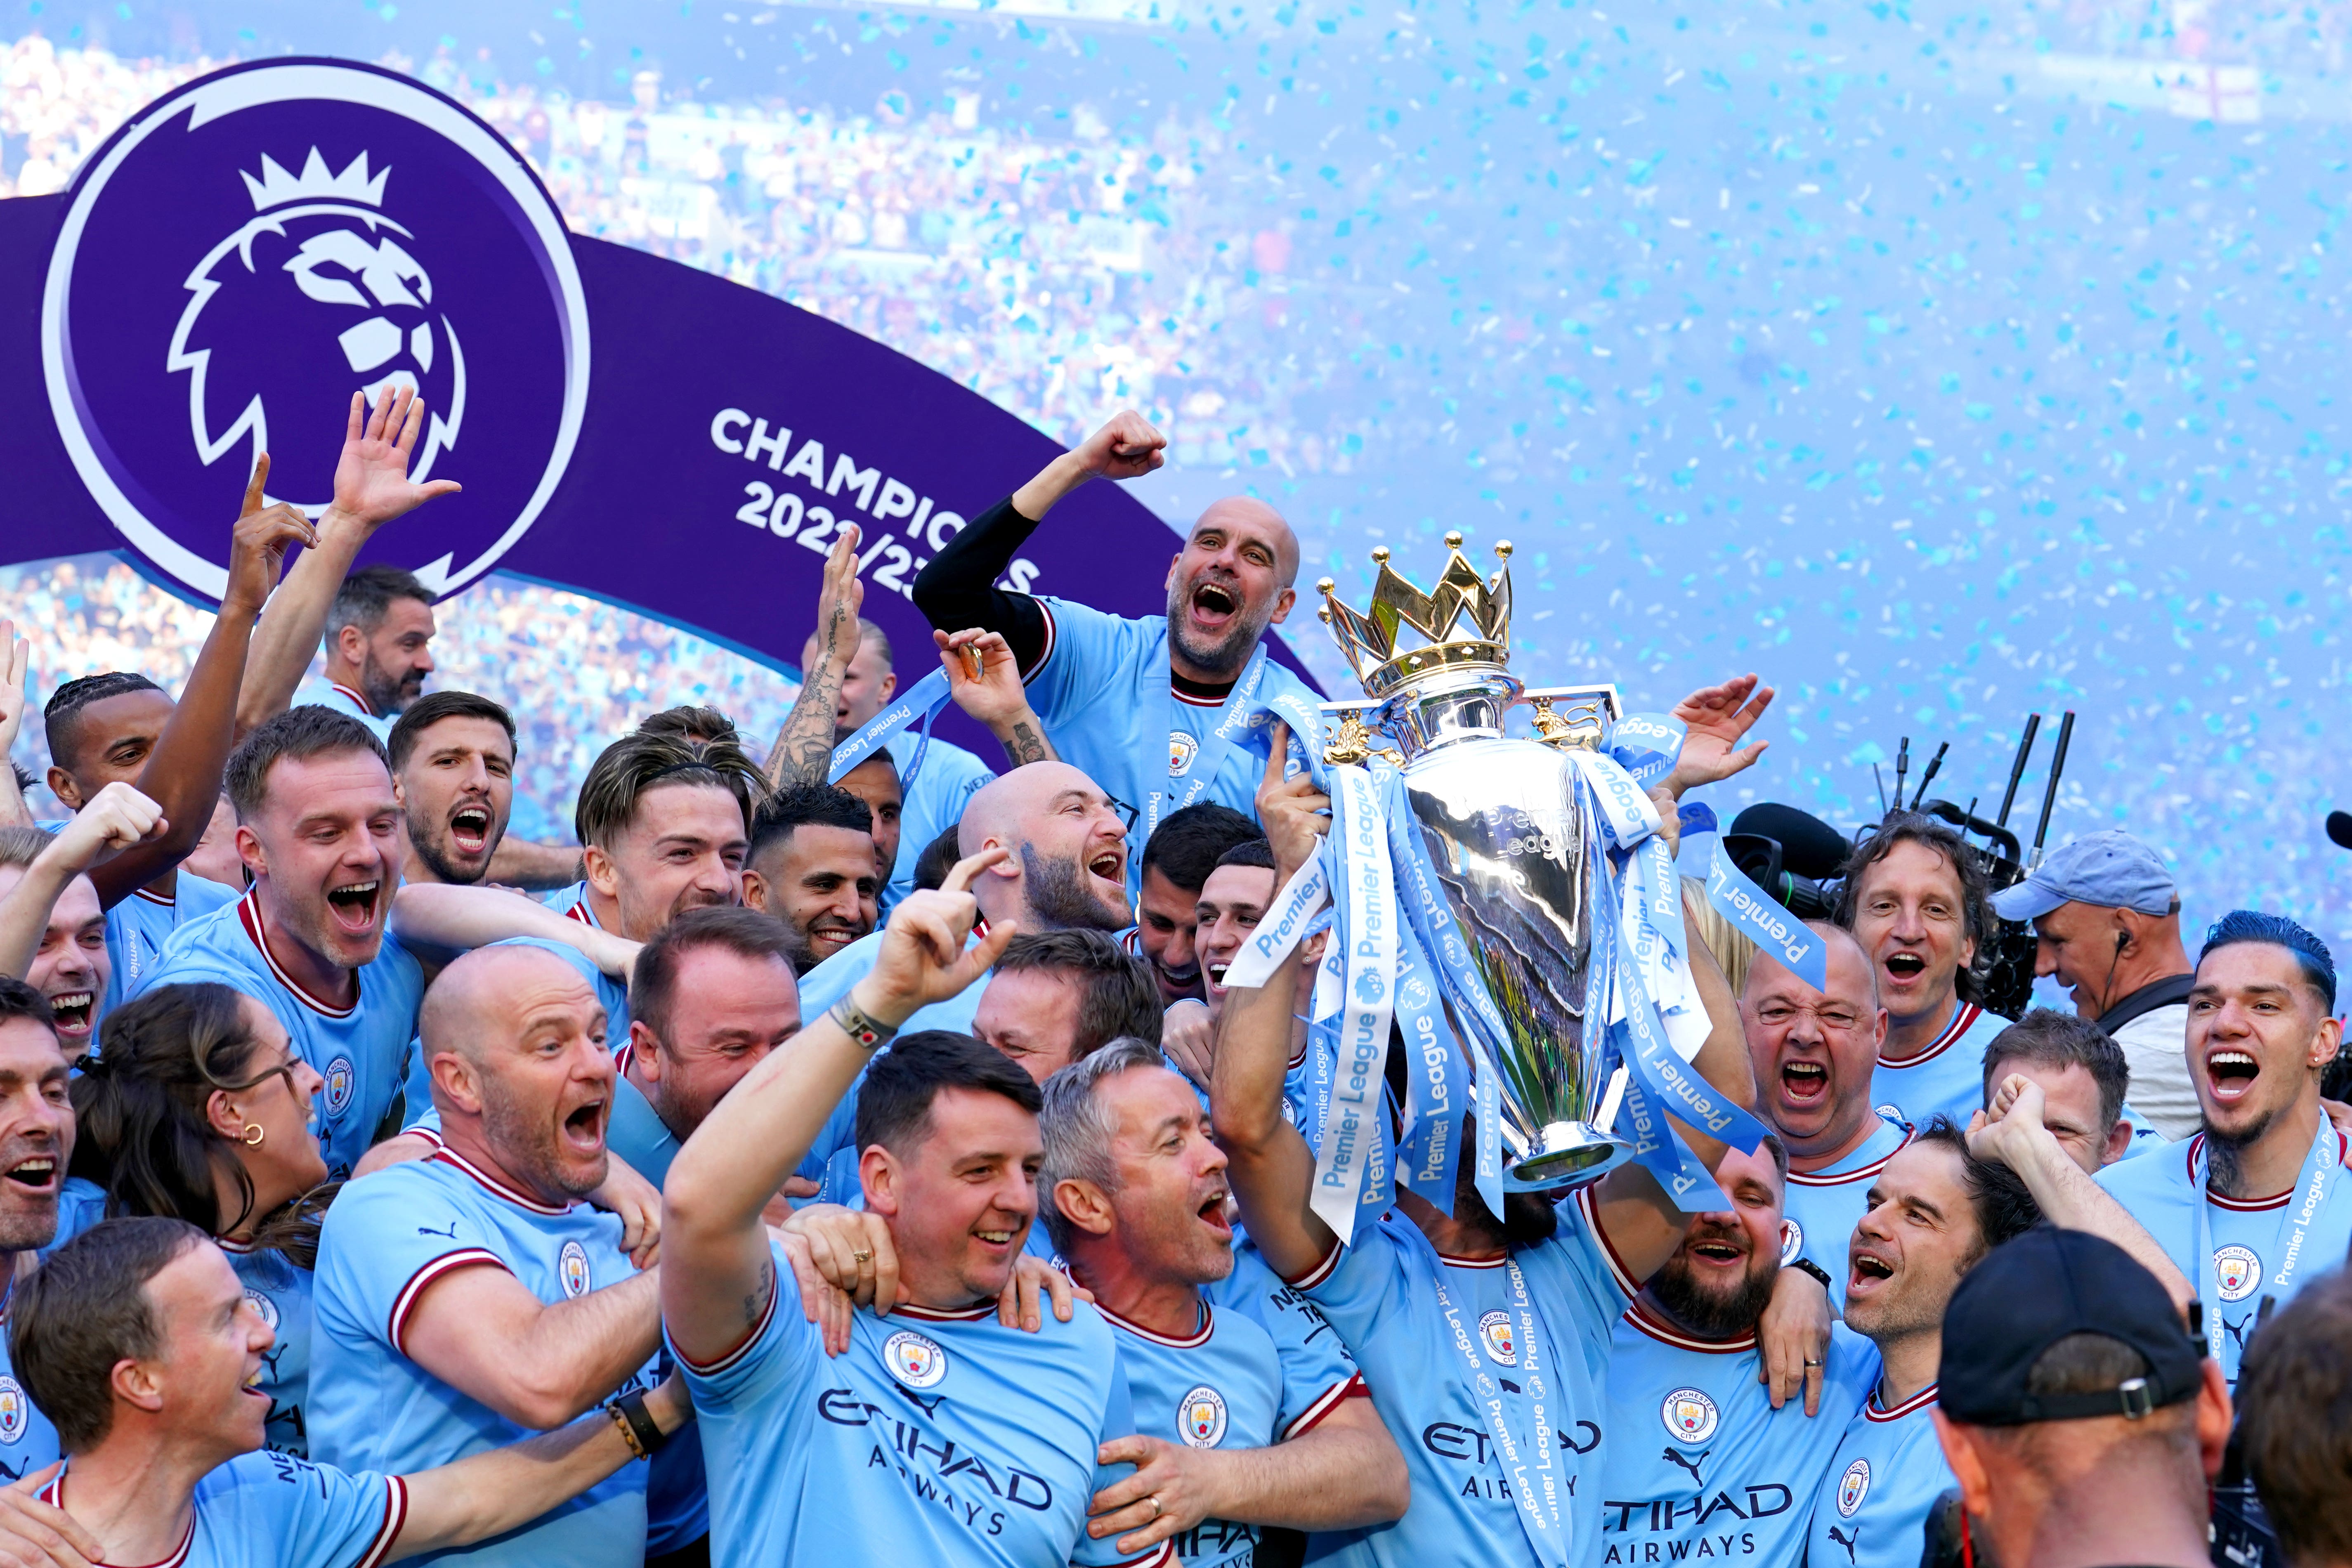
1533, 1472
1241, 710
922, 700
2311, 1184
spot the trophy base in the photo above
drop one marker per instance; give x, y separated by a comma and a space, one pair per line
1565, 1155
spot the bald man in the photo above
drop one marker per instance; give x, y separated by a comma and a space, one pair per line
1064, 869
1138, 702
466, 1301
1813, 1054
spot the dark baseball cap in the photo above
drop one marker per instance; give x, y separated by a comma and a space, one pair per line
2037, 1288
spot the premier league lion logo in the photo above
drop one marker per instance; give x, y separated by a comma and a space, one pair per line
343, 287
1201, 1417
256, 245
1689, 1415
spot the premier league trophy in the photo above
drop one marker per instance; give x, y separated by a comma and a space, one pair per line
1504, 832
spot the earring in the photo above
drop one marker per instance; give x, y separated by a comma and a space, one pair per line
254, 1133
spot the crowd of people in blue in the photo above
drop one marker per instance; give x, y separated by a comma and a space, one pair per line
831, 1157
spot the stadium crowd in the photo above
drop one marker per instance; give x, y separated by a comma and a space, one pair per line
841, 1159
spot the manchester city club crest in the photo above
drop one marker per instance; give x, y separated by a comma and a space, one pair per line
1853, 1487
340, 1078
1201, 1417
1689, 1415
572, 1271
1792, 1242
1495, 1329
16, 1410
2237, 1271
913, 1360
253, 248
1182, 749
263, 1307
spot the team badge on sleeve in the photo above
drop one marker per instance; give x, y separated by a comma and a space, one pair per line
263, 1307
341, 1076
1495, 1328
913, 1360
2236, 1272
15, 1409
1689, 1415
572, 1269
1853, 1487
1203, 1417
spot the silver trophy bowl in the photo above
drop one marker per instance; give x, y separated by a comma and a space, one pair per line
1504, 830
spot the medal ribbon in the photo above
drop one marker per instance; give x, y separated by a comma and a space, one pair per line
1534, 1477
2311, 1187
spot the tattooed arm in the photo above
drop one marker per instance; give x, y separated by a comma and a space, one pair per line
985, 680
803, 753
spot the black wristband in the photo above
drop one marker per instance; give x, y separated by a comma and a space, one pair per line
632, 1407
1807, 1265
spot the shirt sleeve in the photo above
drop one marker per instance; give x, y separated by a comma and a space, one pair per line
958, 589
313, 1516
1119, 1421
1357, 1286
1318, 1372
388, 1238
779, 1348
1083, 645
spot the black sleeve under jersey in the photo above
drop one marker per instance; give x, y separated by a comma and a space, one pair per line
958, 590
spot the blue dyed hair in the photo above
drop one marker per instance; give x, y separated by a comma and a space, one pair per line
2311, 955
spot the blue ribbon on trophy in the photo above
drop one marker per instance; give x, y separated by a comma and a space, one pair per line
1757, 916
921, 702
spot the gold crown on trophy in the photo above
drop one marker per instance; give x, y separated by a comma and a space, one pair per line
1370, 639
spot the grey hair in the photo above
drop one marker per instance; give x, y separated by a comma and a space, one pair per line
1078, 1130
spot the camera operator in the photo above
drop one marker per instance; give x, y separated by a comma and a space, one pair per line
2081, 1420
2294, 1427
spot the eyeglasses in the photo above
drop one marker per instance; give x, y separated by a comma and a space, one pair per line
1833, 1020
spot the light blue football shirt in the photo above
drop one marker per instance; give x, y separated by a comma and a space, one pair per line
345, 700
938, 1437
279, 1291
935, 803
1871, 1509
1102, 689
27, 1441
1222, 1387
1382, 1293
139, 927
1947, 1077
1822, 1208
572, 899
360, 1050
81, 1203
388, 1236
268, 1510
1698, 1464
2248, 1239
828, 982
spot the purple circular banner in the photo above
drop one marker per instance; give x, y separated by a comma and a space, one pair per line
250, 250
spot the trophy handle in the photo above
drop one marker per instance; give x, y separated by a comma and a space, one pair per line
1574, 718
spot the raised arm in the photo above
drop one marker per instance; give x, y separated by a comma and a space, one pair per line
1642, 1222
716, 1278
959, 588
490, 1493
14, 700
1716, 718
443, 915
804, 750
2011, 1131
371, 488
116, 819
183, 775
534, 868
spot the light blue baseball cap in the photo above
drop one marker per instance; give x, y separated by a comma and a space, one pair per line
2110, 870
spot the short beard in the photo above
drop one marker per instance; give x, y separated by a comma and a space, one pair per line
526, 1143
385, 692
1530, 1219
2225, 1156
1224, 656
1702, 1313
429, 849
30, 1231
1058, 895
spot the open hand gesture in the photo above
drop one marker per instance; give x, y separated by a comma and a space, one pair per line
839, 601
371, 484
1126, 449
923, 958
13, 657
1717, 717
